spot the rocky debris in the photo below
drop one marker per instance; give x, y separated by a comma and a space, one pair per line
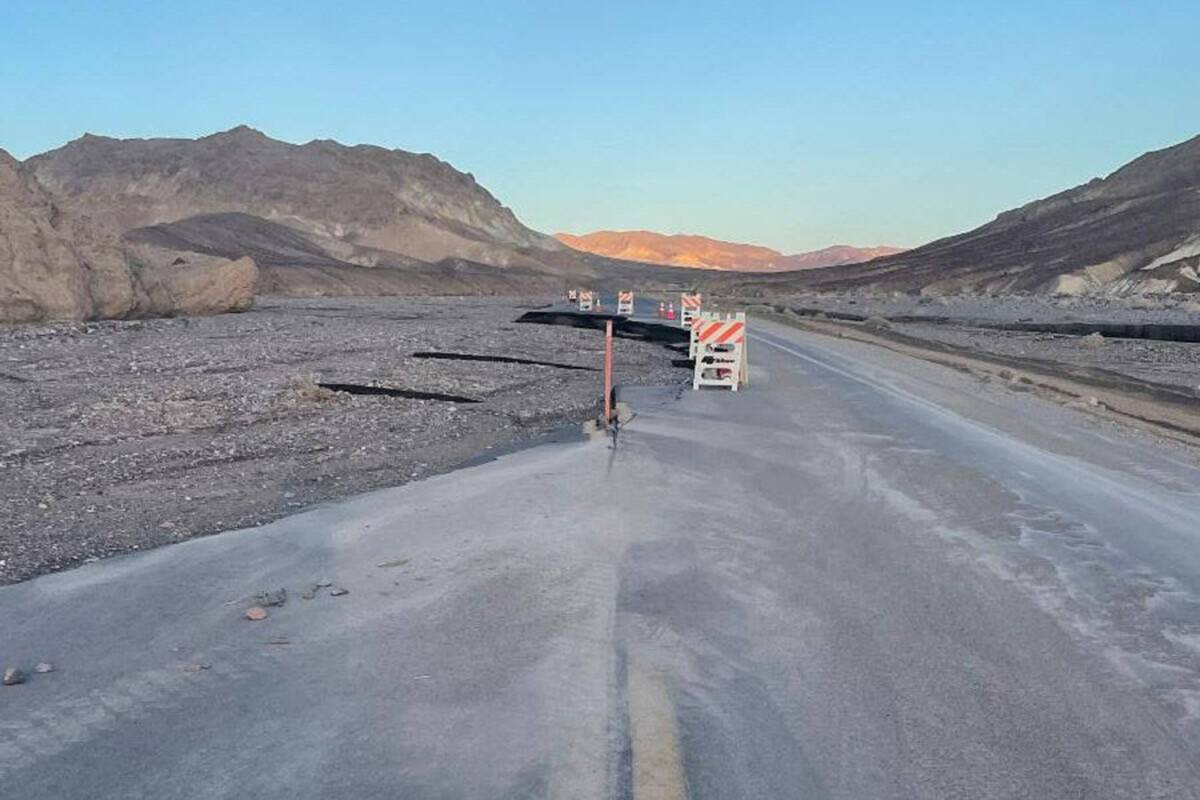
13, 676
279, 640
1093, 340
276, 597
256, 613
194, 284
337, 591
395, 562
310, 592
197, 667
43, 667
877, 324
118, 426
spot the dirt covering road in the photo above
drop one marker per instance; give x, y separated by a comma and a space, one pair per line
121, 436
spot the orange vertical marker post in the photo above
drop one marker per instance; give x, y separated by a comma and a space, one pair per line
608, 372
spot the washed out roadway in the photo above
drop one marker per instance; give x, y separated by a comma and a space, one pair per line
863, 577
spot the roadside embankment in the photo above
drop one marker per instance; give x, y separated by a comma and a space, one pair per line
1148, 383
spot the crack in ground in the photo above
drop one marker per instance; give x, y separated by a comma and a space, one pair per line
501, 360
410, 394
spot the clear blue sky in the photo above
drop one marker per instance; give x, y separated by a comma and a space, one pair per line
795, 125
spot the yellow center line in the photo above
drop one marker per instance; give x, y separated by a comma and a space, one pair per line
657, 765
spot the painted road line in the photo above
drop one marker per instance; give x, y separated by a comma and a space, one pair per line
657, 763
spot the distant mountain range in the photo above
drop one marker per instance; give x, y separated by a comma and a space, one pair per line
107, 227
1135, 231
701, 252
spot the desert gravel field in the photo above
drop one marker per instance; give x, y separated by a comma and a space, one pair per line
121, 436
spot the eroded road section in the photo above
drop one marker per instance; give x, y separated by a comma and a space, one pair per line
863, 577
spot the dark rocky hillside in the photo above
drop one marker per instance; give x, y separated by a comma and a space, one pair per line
1136, 231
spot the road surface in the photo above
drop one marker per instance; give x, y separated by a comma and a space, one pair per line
863, 577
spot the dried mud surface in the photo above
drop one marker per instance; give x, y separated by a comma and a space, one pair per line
121, 436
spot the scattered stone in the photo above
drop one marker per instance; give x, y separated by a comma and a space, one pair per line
256, 613
310, 592
399, 562
197, 667
1093, 339
1006, 374
324, 582
13, 676
337, 591
877, 324
279, 640
1093, 401
43, 668
275, 598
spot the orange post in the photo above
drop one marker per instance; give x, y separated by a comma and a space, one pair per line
608, 372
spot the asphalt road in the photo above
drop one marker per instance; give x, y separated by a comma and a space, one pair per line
863, 577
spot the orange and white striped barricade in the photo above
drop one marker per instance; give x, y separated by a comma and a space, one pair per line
694, 340
625, 303
689, 307
572, 295
721, 352
585, 300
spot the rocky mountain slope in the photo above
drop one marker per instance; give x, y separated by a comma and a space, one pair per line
364, 196
312, 219
56, 264
1135, 231
702, 252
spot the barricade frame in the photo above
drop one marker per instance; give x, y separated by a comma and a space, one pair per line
728, 357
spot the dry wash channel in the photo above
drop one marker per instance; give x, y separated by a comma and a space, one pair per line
120, 436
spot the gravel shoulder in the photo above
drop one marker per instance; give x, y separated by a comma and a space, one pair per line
965, 323
122, 436
1168, 363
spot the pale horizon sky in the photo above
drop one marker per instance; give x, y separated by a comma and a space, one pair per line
790, 125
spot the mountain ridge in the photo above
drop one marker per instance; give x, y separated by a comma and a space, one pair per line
703, 252
1134, 231
157, 215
